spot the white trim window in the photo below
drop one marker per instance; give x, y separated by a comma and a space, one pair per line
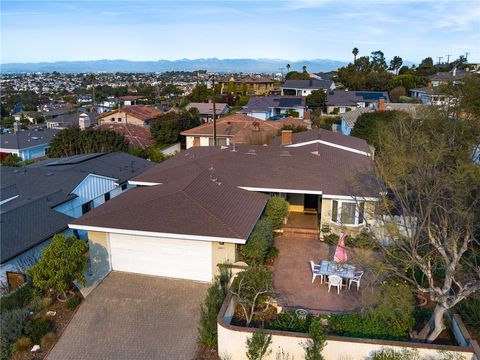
348, 213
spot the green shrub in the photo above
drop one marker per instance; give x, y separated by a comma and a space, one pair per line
314, 346
15, 323
5, 350
272, 253
207, 325
36, 304
276, 211
46, 302
363, 240
73, 302
39, 328
48, 340
257, 345
22, 344
469, 311
288, 321
16, 299
259, 241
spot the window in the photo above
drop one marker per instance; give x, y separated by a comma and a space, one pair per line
112, 119
220, 141
348, 212
124, 186
87, 207
106, 196
119, 119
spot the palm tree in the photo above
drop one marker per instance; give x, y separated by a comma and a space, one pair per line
304, 68
288, 68
355, 53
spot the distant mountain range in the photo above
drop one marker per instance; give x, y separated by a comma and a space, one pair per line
213, 64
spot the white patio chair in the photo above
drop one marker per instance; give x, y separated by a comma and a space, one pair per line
315, 268
335, 280
356, 279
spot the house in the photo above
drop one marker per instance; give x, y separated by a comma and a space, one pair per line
83, 120
237, 129
39, 200
305, 87
27, 144
349, 118
137, 136
128, 100
135, 114
442, 78
31, 116
250, 85
209, 199
267, 107
339, 102
206, 110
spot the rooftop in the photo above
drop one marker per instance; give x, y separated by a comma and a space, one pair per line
264, 103
307, 84
207, 108
137, 136
352, 98
142, 112
27, 138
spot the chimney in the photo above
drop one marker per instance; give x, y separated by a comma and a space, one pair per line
16, 126
84, 121
381, 104
286, 137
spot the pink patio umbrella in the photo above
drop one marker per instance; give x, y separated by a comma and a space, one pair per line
340, 252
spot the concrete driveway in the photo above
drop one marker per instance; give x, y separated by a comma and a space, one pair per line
131, 316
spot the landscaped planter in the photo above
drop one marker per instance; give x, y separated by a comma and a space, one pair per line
232, 342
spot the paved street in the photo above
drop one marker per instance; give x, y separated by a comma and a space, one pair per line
131, 316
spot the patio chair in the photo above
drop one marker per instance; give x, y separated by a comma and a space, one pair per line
356, 279
335, 280
315, 270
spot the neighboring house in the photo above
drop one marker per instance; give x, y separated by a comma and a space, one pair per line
27, 144
250, 85
267, 107
31, 116
305, 87
135, 114
128, 100
206, 110
339, 102
428, 96
442, 78
237, 129
349, 118
39, 200
137, 136
193, 210
83, 120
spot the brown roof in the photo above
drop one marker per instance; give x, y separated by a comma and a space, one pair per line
240, 127
137, 136
333, 171
191, 205
326, 136
129, 97
207, 108
142, 112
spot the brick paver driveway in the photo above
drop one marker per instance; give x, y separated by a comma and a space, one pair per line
131, 316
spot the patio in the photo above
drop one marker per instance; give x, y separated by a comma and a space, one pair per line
292, 276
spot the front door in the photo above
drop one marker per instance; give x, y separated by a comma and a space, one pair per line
310, 202
196, 141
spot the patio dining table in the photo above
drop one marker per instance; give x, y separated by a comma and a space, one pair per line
345, 271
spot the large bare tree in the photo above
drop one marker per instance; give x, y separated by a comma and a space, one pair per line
430, 208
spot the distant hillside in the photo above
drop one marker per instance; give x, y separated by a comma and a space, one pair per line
213, 64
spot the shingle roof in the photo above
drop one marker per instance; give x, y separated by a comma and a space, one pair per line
27, 138
207, 108
73, 119
137, 136
351, 98
46, 184
264, 103
142, 112
296, 168
195, 205
308, 84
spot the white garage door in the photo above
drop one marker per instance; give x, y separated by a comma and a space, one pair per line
184, 259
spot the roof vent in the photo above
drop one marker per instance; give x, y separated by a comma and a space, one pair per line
49, 174
285, 153
211, 168
233, 149
251, 152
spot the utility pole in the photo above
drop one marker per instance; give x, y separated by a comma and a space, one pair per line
212, 78
448, 58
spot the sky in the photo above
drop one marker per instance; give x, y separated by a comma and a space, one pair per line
35, 31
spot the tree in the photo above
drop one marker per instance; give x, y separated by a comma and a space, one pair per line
396, 93
426, 67
378, 61
288, 68
74, 141
427, 175
61, 263
304, 68
355, 53
252, 289
296, 75
12, 160
313, 348
317, 99
396, 64
258, 243
167, 128
276, 211
408, 81
378, 81
258, 345
200, 93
